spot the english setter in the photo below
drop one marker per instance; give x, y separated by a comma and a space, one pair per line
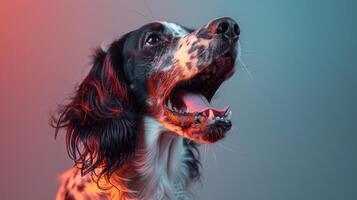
134, 123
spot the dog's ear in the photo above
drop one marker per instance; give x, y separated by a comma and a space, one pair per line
100, 119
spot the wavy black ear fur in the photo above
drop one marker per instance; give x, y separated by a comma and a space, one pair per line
100, 119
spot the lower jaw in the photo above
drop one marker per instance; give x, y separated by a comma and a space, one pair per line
182, 120
209, 136
203, 137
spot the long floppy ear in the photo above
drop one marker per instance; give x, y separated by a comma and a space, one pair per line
100, 119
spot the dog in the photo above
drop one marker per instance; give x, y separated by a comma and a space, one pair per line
134, 123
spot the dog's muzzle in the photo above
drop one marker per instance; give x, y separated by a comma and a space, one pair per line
225, 27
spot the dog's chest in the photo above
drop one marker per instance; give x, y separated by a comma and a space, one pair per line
158, 171
161, 162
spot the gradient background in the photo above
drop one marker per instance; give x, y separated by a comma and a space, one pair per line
294, 112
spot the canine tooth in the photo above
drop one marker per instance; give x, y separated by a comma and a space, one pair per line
229, 115
169, 104
211, 114
187, 110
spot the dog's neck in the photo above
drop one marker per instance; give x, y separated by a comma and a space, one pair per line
161, 161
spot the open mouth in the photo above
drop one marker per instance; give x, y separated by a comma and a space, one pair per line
189, 102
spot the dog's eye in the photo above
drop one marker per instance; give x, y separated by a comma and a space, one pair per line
153, 39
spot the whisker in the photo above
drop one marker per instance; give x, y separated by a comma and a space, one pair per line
246, 69
214, 155
205, 152
239, 59
226, 147
149, 9
139, 13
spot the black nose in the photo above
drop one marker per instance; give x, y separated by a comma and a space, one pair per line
225, 26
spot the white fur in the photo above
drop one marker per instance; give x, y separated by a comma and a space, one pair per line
160, 159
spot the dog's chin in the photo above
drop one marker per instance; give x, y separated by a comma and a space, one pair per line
206, 130
188, 110
210, 132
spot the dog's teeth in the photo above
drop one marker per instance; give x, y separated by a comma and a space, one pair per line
169, 104
229, 115
211, 114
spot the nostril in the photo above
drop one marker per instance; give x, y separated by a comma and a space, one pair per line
236, 29
222, 27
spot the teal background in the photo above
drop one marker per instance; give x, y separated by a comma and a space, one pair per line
294, 112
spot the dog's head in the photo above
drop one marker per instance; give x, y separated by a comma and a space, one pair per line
162, 69
176, 71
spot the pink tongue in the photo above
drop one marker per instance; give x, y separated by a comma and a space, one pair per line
196, 102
